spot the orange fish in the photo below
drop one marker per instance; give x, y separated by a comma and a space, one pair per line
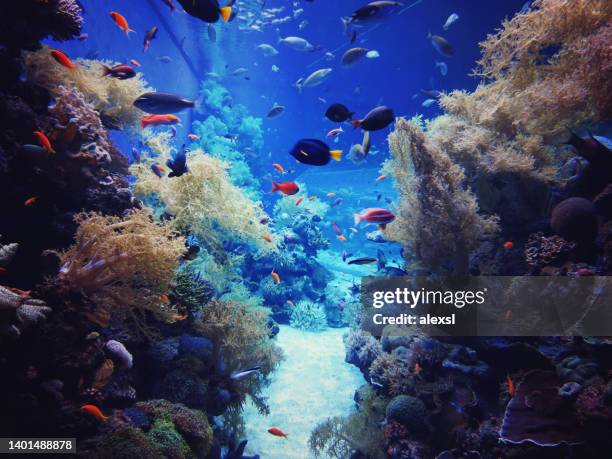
380, 177
312, 198
158, 120
193, 136
300, 199
30, 201
511, 388
331, 194
43, 141
164, 298
417, 369
177, 317
342, 238
277, 432
267, 238
508, 314
121, 22
62, 59
276, 277
95, 412
291, 303
135, 63
279, 168
508, 245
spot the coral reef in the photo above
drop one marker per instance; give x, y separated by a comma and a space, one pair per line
308, 316
18, 310
111, 98
122, 265
408, 411
438, 215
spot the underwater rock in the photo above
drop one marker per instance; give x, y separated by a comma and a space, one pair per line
465, 360
119, 393
575, 219
603, 203
196, 346
7, 252
408, 411
578, 369
570, 390
18, 310
594, 411
121, 354
361, 350
538, 414
218, 401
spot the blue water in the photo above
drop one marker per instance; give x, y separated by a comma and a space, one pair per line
407, 64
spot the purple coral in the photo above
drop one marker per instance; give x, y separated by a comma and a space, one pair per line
118, 350
68, 19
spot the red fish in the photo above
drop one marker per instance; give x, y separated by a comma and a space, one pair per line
279, 168
95, 412
336, 228
121, 71
44, 142
375, 215
288, 188
63, 59
30, 201
299, 200
121, 22
277, 432
267, 238
276, 277
159, 120
508, 245
158, 170
135, 63
511, 388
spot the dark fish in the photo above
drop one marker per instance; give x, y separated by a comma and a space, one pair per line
149, 36
121, 71
442, 45
314, 152
354, 37
352, 56
372, 12
206, 10
362, 261
178, 163
192, 252
381, 259
212, 33
378, 118
161, 103
336, 202
338, 113
431, 93
170, 5
337, 229
33, 149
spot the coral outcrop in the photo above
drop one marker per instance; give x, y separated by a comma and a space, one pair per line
18, 310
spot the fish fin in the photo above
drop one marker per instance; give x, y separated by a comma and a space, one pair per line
356, 123
336, 155
274, 188
382, 226
345, 22
226, 13
127, 32
143, 124
357, 219
105, 70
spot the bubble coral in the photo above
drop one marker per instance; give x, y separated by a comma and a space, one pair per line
438, 214
575, 219
408, 411
122, 265
307, 315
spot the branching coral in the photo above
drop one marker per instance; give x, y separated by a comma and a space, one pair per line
111, 97
203, 200
122, 265
18, 310
393, 373
241, 340
438, 214
545, 94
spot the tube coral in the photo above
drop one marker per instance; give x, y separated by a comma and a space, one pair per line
122, 265
203, 200
438, 214
111, 97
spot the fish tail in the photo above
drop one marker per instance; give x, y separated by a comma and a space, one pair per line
226, 12
336, 154
278, 36
274, 187
143, 124
105, 70
356, 218
345, 23
356, 123
382, 226
429, 35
